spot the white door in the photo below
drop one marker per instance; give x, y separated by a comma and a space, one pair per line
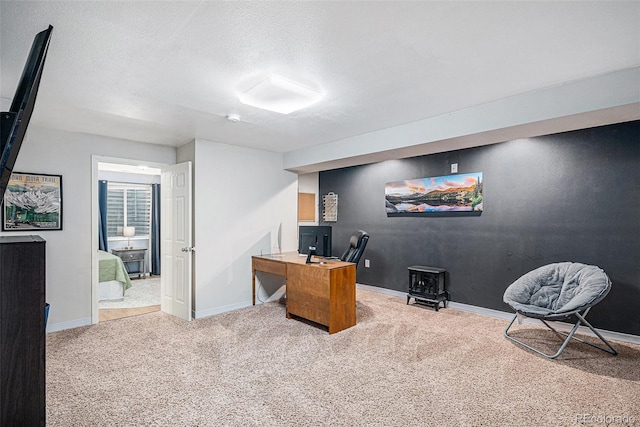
177, 245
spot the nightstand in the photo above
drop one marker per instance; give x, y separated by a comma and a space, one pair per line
133, 255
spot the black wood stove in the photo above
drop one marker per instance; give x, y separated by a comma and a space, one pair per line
427, 286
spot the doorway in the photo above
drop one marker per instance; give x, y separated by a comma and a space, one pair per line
125, 277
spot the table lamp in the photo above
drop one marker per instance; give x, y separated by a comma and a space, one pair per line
128, 232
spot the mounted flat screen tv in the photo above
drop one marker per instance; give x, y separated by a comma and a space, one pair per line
15, 122
318, 236
438, 194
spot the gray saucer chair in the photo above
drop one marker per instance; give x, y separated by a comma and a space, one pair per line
555, 292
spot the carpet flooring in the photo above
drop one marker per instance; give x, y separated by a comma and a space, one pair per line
401, 365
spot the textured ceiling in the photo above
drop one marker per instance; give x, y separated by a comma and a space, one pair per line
167, 72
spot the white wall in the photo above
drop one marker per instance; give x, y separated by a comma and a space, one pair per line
69, 251
308, 182
245, 204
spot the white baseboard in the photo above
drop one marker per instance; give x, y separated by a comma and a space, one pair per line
385, 291
617, 336
55, 327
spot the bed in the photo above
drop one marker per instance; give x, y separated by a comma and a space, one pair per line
112, 277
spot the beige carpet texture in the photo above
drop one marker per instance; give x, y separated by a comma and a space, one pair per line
401, 365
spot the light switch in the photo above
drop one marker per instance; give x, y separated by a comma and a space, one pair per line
454, 168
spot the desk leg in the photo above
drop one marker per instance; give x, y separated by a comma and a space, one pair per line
253, 287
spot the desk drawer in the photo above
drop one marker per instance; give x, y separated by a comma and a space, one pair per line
270, 266
130, 255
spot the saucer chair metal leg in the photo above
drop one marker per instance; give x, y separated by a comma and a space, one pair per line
569, 336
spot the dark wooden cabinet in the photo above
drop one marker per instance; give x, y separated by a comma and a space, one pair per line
22, 331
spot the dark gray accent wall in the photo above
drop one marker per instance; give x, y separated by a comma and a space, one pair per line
573, 196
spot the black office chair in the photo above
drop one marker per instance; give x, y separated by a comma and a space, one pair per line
357, 243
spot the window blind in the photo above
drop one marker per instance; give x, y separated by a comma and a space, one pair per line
128, 205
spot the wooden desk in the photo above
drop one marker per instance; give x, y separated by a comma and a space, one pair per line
323, 293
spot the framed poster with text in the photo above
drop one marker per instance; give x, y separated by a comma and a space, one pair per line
32, 202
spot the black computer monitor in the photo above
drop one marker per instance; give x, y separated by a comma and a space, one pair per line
318, 236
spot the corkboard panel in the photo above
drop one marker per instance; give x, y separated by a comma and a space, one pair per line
306, 207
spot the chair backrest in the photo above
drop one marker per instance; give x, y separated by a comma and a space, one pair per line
357, 243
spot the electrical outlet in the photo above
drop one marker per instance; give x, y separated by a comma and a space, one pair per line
367, 264
454, 168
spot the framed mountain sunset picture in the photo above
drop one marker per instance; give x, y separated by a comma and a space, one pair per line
439, 194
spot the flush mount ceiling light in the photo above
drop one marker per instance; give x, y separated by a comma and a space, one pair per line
275, 93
